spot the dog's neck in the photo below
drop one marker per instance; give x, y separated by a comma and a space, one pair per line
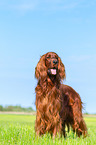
50, 81
54, 80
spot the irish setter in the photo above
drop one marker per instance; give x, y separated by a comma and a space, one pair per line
57, 105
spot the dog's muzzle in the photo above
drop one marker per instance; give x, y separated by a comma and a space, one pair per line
52, 71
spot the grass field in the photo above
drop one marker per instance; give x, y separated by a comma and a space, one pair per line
19, 130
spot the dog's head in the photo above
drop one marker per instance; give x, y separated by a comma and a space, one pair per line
50, 64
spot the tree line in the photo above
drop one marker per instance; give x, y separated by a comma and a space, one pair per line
16, 108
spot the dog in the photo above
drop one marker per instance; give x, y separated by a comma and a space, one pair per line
57, 105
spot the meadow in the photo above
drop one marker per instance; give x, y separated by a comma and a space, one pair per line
19, 130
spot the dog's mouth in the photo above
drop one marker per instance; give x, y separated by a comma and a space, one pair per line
52, 71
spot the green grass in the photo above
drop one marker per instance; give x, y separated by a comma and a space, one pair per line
19, 130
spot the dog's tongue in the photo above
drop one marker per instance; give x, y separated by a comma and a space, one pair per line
53, 71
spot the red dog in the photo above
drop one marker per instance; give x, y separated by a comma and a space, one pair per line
57, 105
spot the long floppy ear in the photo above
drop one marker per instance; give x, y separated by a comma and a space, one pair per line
41, 70
61, 69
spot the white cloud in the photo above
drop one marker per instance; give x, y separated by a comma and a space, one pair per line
19, 5
23, 7
37, 4
45, 5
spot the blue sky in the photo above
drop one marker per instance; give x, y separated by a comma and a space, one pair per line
29, 29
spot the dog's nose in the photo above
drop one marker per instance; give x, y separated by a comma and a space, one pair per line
55, 61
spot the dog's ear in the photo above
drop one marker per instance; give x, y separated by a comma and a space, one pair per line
41, 70
61, 69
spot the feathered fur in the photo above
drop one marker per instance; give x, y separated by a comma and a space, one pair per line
57, 105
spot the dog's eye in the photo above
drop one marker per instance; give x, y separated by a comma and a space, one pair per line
48, 56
